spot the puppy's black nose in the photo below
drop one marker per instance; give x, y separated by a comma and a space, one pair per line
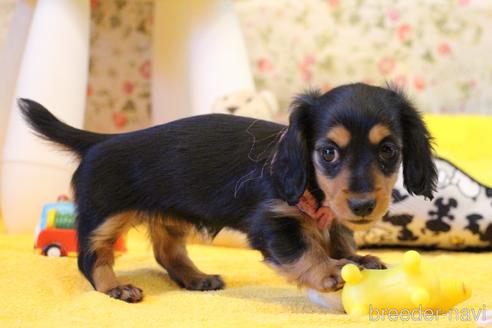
362, 207
232, 109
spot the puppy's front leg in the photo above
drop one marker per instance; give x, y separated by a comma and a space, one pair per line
298, 251
342, 245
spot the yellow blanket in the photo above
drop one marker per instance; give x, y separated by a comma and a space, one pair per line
37, 291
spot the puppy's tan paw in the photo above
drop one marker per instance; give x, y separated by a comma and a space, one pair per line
368, 262
326, 276
127, 293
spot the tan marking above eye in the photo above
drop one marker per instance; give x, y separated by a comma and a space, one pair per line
377, 133
339, 135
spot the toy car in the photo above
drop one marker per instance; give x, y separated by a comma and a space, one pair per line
56, 235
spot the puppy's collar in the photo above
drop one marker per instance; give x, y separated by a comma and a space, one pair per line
308, 205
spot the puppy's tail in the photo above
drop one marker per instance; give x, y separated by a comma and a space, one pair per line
48, 127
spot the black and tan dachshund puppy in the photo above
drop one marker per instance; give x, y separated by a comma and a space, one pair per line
214, 171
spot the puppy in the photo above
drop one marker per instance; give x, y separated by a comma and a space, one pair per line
208, 172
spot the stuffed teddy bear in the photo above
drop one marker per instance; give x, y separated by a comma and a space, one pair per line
262, 105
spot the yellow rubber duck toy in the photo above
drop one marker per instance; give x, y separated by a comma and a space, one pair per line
408, 286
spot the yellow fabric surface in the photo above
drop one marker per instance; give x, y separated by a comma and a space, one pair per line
40, 292
465, 141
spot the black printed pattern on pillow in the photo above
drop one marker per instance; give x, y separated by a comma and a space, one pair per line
488, 192
402, 221
460, 216
438, 223
474, 227
487, 235
397, 196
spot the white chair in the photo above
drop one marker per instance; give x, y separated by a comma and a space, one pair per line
198, 55
53, 71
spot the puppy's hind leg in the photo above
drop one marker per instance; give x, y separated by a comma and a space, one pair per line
96, 257
168, 239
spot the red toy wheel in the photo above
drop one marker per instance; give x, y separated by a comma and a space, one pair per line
52, 250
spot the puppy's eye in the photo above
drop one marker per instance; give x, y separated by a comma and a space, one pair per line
329, 154
388, 151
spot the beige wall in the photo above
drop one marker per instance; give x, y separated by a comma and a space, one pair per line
6, 9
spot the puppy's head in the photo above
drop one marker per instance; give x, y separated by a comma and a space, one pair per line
348, 145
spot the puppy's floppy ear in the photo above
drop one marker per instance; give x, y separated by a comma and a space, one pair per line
291, 162
419, 170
